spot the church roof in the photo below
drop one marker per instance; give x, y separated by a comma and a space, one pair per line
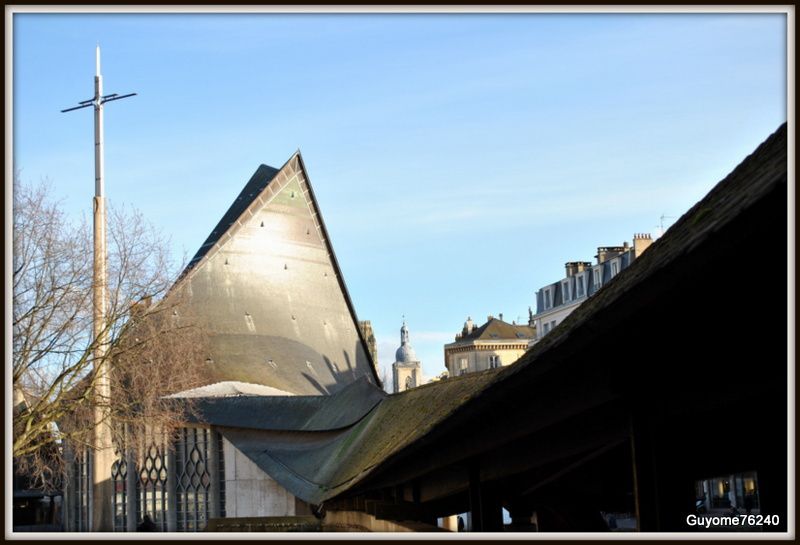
287, 412
230, 388
252, 189
268, 291
316, 466
405, 353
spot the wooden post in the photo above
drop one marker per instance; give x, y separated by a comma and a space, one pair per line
475, 505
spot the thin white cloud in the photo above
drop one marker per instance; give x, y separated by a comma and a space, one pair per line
545, 210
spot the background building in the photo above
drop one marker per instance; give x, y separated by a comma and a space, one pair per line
369, 337
494, 344
556, 301
35, 509
406, 370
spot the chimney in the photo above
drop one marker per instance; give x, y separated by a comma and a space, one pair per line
604, 253
489, 317
641, 242
501, 316
576, 267
468, 327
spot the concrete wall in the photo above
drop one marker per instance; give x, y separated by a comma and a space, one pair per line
249, 492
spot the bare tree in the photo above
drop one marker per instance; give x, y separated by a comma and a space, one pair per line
153, 349
387, 380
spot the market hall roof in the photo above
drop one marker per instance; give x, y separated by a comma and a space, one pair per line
266, 288
319, 465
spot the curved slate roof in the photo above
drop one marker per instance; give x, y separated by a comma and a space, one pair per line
291, 413
317, 465
269, 293
229, 388
258, 181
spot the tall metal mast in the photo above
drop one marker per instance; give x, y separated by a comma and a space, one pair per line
100, 515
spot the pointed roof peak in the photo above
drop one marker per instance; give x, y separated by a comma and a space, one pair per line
260, 179
260, 193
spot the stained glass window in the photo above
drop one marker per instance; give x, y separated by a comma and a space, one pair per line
153, 485
192, 452
79, 483
197, 480
119, 475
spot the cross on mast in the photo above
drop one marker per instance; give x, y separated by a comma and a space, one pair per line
100, 515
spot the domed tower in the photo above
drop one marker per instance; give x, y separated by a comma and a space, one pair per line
406, 370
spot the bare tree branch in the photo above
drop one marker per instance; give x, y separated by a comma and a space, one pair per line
152, 345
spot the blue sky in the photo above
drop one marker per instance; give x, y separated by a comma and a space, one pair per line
459, 160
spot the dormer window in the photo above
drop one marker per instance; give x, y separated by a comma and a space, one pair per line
598, 277
548, 298
614, 268
565, 290
580, 288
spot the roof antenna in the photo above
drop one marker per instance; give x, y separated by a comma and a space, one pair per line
661, 223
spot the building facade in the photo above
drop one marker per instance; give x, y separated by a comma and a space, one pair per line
406, 369
369, 337
556, 301
494, 344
